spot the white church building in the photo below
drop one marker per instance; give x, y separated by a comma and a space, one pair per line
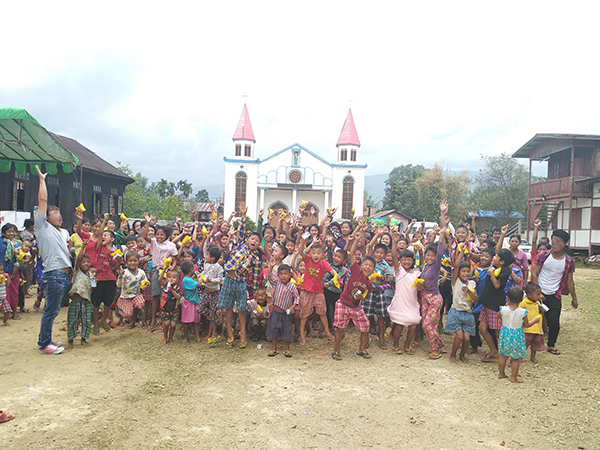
293, 175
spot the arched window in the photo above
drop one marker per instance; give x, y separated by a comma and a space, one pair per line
347, 197
240, 189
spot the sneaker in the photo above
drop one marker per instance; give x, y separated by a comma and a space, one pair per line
51, 350
56, 344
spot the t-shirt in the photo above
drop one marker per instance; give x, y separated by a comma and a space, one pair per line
52, 245
160, 251
550, 274
459, 298
512, 318
491, 297
101, 259
81, 285
171, 301
357, 283
482, 271
533, 310
313, 275
190, 290
130, 283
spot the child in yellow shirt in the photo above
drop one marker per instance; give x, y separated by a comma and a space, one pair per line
533, 334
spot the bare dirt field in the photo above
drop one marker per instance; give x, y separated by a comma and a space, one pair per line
128, 391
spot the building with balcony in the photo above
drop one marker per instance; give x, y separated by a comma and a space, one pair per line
571, 192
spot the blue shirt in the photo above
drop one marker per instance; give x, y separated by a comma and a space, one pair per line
479, 287
190, 290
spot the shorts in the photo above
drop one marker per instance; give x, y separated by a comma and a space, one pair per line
535, 341
233, 293
460, 321
343, 314
490, 317
127, 305
167, 316
155, 286
375, 303
310, 300
4, 306
104, 292
259, 322
280, 326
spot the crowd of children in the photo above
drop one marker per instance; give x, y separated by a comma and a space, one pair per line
284, 280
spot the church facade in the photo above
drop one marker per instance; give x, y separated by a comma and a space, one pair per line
294, 175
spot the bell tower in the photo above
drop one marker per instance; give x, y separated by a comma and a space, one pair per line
243, 138
348, 143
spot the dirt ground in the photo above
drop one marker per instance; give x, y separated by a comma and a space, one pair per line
128, 391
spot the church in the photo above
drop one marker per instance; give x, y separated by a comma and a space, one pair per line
294, 175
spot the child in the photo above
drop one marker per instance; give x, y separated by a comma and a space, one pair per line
244, 262
349, 305
512, 337
80, 308
212, 277
460, 319
431, 298
311, 293
130, 281
4, 305
492, 297
168, 305
8, 253
404, 309
106, 288
190, 301
259, 316
285, 298
375, 303
533, 335
479, 276
145, 263
330, 290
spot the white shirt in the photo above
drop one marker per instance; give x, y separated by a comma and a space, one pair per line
551, 274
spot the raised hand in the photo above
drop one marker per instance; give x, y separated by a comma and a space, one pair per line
106, 216
444, 207
260, 213
40, 174
504, 229
537, 223
243, 208
146, 217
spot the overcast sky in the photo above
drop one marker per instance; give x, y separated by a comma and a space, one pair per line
160, 86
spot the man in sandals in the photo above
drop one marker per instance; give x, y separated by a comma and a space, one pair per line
553, 272
349, 305
52, 245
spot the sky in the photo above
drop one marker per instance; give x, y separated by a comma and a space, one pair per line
161, 86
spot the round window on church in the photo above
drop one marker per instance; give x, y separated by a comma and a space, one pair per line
295, 176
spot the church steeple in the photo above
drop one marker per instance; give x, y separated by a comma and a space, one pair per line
243, 138
348, 142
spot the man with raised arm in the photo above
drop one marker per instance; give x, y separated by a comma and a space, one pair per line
52, 246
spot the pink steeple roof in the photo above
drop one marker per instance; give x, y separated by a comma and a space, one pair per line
244, 127
349, 136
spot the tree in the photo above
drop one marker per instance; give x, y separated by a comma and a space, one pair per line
174, 208
501, 186
165, 188
185, 188
138, 198
434, 186
401, 191
202, 196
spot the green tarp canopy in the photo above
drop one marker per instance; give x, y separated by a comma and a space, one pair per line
24, 141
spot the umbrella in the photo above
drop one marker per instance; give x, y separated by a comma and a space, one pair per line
24, 141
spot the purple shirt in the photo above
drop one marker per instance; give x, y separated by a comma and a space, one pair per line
431, 273
521, 264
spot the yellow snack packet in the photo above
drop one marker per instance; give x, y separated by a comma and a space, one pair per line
80, 209
417, 282
123, 218
186, 240
204, 231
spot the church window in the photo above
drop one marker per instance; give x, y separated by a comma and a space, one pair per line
238, 149
344, 155
240, 189
347, 197
247, 150
353, 155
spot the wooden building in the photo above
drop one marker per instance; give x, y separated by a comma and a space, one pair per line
95, 183
572, 189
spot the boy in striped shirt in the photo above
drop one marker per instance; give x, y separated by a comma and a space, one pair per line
284, 300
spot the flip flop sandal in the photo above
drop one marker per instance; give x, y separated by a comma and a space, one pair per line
106, 327
36, 306
16, 317
230, 344
409, 351
396, 350
553, 351
336, 356
273, 353
6, 416
96, 331
434, 355
365, 354
24, 311
382, 345
240, 345
287, 354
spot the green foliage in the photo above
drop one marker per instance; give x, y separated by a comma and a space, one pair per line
173, 208
401, 190
250, 225
502, 186
434, 186
185, 188
202, 196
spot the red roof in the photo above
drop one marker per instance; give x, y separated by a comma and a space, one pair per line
244, 127
348, 136
206, 207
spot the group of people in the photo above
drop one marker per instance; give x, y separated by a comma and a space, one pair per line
284, 279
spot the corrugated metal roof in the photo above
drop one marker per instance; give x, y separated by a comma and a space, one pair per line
88, 159
206, 207
349, 136
244, 127
538, 139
